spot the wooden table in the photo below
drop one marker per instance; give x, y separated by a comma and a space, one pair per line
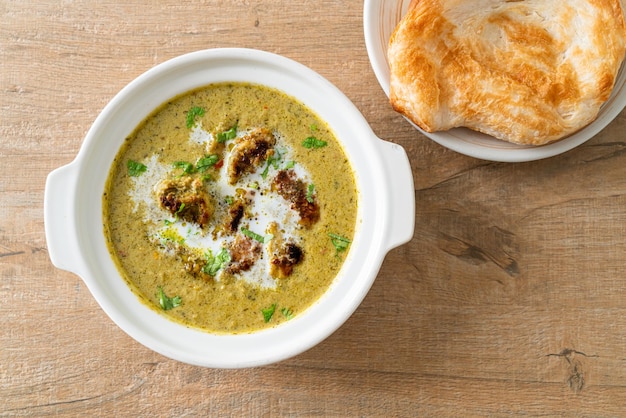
510, 299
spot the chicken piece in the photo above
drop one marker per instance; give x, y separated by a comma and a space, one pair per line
237, 210
294, 190
192, 262
186, 198
234, 216
244, 252
283, 255
249, 152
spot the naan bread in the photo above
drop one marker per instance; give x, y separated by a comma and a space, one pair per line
525, 71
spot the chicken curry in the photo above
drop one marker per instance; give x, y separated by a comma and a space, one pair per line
230, 208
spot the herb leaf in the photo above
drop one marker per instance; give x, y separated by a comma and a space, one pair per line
185, 166
309, 192
135, 169
313, 142
287, 313
272, 161
166, 302
255, 236
340, 243
226, 135
215, 263
268, 313
192, 114
207, 162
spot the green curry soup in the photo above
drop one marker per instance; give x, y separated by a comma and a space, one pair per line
230, 208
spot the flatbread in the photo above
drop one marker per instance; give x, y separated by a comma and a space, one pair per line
525, 71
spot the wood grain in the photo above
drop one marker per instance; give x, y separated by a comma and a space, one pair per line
509, 300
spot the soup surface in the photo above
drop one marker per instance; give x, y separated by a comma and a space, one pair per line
230, 208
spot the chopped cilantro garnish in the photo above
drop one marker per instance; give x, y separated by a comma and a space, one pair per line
266, 171
262, 239
268, 312
287, 313
180, 208
290, 164
166, 302
272, 162
340, 243
226, 135
192, 114
215, 263
309, 193
135, 168
229, 199
185, 166
207, 162
313, 142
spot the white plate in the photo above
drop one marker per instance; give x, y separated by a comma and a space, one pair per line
380, 18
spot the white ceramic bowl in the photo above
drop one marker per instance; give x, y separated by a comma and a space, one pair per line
73, 208
380, 18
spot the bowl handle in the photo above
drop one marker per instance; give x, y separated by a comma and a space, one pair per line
59, 218
401, 194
